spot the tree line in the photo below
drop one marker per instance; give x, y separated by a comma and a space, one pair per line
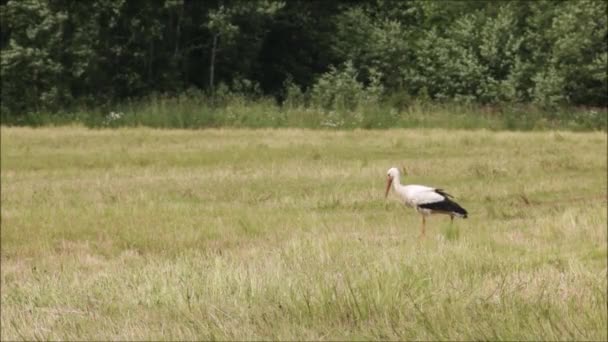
58, 54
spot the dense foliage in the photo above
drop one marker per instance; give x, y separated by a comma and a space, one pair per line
64, 54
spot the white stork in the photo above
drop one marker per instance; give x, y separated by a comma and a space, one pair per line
424, 199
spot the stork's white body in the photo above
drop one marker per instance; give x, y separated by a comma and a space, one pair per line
424, 199
414, 195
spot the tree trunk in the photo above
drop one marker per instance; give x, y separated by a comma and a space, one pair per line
150, 61
178, 31
212, 64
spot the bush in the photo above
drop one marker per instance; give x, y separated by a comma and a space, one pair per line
294, 97
342, 97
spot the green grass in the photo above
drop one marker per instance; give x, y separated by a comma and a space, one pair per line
228, 234
196, 110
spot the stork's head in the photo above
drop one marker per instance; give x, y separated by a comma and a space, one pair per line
391, 174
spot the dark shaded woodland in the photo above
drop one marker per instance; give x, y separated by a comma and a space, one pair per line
57, 54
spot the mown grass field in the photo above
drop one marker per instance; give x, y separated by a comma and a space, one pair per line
142, 234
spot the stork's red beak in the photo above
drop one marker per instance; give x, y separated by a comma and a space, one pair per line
389, 181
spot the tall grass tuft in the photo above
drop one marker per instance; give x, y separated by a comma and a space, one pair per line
355, 106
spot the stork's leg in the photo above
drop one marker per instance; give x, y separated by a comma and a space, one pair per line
451, 219
423, 225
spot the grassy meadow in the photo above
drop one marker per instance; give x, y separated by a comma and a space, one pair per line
240, 234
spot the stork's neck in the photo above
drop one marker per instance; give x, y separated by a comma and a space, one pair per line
397, 182
400, 188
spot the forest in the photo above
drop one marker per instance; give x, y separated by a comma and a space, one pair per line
72, 56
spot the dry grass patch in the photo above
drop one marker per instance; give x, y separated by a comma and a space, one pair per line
141, 234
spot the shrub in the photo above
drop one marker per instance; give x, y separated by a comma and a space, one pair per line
342, 96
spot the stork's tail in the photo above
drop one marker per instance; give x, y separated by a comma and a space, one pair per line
457, 210
447, 206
